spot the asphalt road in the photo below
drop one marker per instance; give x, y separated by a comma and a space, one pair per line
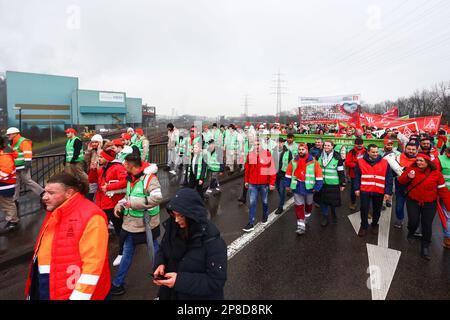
325, 263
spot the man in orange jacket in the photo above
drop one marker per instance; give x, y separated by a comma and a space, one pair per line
24, 148
70, 259
7, 185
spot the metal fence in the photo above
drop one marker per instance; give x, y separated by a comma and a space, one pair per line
46, 166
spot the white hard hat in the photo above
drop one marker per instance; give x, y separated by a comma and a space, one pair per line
266, 132
12, 130
261, 126
97, 137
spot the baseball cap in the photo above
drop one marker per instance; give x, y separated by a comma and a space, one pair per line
71, 130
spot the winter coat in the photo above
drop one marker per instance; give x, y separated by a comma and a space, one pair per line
389, 178
200, 261
426, 185
259, 168
331, 194
113, 175
351, 160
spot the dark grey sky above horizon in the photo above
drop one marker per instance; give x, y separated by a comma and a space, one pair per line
202, 57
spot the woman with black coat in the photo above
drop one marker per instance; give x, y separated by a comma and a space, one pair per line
192, 257
333, 182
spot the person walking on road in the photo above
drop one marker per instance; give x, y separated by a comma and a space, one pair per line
8, 186
259, 178
282, 157
351, 160
303, 177
424, 184
373, 183
70, 259
141, 216
192, 260
91, 155
329, 196
142, 143
195, 175
444, 167
215, 166
173, 138
24, 149
74, 163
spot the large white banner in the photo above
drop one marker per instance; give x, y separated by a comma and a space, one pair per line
111, 97
330, 108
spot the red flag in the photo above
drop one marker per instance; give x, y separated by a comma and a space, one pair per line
393, 113
442, 215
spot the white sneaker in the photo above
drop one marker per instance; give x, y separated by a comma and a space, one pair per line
117, 260
209, 191
218, 189
172, 172
110, 226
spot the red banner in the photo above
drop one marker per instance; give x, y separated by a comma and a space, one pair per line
393, 113
406, 126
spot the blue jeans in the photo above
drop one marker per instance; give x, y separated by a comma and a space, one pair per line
281, 188
324, 209
125, 263
254, 190
447, 215
400, 201
352, 190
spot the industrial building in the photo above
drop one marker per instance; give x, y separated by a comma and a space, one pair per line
49, 100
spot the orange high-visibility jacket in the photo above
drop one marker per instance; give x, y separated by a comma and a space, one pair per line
7, 171
25, 148
373, 178
75, 254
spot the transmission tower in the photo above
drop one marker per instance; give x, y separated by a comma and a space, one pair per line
245, 105
278, 91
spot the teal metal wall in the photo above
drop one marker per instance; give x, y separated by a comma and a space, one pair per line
38, 89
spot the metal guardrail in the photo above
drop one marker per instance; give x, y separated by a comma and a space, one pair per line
46, 166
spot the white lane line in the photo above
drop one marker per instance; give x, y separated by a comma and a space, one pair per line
241, 242
385, 225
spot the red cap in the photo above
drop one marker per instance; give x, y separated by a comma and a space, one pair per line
71, 130
117, 142
109, 155
139, 131
423, 155
126, 136
388, 141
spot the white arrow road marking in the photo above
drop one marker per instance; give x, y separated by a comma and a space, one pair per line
382, 260
241, 242
382, 265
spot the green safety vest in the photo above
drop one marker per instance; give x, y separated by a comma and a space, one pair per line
121, 157
285, 161
137, 143
310, 176
247, 150
199, 166
181, 145
445, 164
293, 148
70, 150
213, 163
20, 160
138, 191
268, 145
133, 139
330, 173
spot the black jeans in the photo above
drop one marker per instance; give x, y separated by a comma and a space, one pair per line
377, 203
423, 214
117, 223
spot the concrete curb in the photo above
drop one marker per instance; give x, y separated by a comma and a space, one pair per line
25, 254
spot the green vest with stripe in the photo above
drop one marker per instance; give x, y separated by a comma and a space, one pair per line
199, 166
138, 143
330, 173
20, 160
181, 145
138, 191
213, 162
445, 164
310, 176
285, 160
70, 150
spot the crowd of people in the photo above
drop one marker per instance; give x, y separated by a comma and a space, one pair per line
113, 182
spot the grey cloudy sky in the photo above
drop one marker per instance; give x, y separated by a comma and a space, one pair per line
201, 57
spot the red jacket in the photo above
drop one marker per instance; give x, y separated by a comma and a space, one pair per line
114, 178
79, 265
427, 190
351, 160
259, 168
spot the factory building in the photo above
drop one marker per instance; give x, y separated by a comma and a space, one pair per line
49, 100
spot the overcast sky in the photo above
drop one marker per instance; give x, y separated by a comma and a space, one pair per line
202, 57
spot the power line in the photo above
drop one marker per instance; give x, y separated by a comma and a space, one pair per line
279, 91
